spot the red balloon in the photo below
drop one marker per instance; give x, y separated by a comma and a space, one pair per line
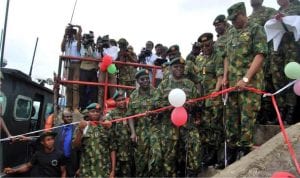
106, 61
179, 116
102, 67
283, 175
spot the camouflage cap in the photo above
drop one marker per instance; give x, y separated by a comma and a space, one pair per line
93, 106
235, 9
219, 19
141, 72
178, 60
205, 37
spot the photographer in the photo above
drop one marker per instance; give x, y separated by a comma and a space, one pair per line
88, 71
147, 57
70, 46
126, 72
161, 52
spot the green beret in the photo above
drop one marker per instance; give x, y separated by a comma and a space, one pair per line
219, 19
165, 64
141, 73
178, 60
119, 93
93, 106
235, 9
205, 37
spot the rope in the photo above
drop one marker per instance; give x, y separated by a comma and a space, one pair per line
212, 95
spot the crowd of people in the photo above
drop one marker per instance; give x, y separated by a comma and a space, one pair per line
151, 145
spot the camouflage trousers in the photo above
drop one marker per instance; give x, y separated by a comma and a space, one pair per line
141, 157
241, 111
189, 163
211, 126
170, 156
123, 168
155, 154
127, 83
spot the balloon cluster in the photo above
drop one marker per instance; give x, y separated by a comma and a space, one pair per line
292, 71
179, 114
107, 65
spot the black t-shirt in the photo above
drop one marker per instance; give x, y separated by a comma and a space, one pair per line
47, 164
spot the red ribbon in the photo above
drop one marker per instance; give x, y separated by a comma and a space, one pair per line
215, 94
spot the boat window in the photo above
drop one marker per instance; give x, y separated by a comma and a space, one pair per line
49, 110
23, 108
35, 110
2, 103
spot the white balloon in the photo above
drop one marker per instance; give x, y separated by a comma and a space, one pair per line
177, 97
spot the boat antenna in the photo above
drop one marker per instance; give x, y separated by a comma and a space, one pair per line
37, 39
4, 34
73, 11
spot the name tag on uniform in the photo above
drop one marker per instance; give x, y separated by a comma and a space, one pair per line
204, 71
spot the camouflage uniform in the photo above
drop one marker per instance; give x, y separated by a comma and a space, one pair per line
242, 107
211, 127
191, 71
261, 17
122, 136
288, 51
126, 74
187, 138
148, 152
97, 145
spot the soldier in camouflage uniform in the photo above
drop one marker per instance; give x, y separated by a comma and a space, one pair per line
145, 130
211, 129
126, 72
182, 145
245, 51
288, 51
122, 135
98, 155
261, 15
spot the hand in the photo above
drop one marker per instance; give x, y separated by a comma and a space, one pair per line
106, 124
279, 16
241, 84
134, 137
9, 170
23, 138
150, 113
112, 174
82, 124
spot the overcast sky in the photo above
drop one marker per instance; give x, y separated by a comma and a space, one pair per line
162, 21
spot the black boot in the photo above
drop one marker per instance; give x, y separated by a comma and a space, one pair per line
289, 117
242, 151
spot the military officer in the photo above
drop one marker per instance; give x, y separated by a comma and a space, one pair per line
246, 48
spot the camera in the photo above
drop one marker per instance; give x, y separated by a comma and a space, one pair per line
88, 39
142, 56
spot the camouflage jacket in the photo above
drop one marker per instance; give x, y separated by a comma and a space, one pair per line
122, 134
262, 15
161, 99
140, 104
211, 67
97, 145
241, 48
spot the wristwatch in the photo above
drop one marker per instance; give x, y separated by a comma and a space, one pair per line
245, 79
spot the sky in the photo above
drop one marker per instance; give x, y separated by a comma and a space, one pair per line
161, 21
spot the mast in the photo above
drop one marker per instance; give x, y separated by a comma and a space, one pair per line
4, 34
37, 40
